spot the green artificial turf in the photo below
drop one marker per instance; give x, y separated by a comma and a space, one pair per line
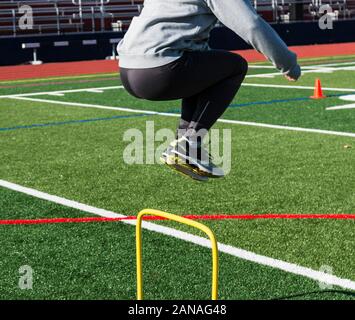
273, 171
97, 261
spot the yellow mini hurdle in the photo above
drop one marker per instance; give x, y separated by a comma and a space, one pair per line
182, 220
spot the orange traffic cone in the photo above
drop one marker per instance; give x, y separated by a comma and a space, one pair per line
318, 93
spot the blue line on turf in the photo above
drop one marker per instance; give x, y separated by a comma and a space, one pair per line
169, 111
254, 103
266, 102
50, 124
285, 100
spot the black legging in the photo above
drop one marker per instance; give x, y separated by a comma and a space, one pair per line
206, 81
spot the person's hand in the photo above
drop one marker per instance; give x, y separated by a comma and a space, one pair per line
294, 73
290, 78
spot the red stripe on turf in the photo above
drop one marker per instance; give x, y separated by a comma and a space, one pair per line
272, 216
194, 217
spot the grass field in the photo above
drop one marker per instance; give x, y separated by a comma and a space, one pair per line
64, 137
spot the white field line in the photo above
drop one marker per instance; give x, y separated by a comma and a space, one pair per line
262, 85
95, 90
325, 68
250, 66
56, 94
255, 66
274, 126
303, 67
352, 68
333, 64
349, 97
100, 89
265, 75
62, 92
312, 70
203, 242
343, 107
244, 123
96, 106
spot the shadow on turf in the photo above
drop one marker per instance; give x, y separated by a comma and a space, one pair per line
320, 292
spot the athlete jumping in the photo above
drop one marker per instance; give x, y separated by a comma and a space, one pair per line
165, 56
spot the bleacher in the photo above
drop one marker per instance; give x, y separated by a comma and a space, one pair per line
60, 17
66, 16
285, 11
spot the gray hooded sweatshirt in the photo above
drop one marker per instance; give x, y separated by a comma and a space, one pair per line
167, 28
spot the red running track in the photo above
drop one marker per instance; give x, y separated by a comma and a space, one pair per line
108, 66
193, 217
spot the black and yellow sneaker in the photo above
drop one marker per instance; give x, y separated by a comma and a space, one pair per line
191, 157
194, 154
175, 162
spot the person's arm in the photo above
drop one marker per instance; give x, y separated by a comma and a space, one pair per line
240, 16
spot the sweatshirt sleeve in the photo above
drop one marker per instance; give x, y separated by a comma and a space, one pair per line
241, 17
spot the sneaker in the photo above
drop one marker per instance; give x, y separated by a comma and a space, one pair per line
175, 162
195, 155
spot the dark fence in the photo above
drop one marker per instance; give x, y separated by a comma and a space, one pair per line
72, 48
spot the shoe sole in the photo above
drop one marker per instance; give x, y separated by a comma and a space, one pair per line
184, 169
199, 168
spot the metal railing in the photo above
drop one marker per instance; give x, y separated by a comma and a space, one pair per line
283, 11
